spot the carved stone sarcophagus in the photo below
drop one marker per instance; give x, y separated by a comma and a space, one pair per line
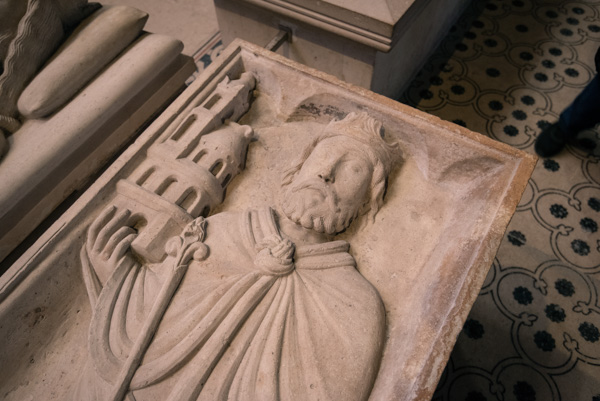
276, 234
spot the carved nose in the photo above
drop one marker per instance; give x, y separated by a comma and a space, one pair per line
328, 178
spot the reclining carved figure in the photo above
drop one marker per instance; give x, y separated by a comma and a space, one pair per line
256, 305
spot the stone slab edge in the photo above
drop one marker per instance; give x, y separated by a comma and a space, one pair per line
379, 41
380, 35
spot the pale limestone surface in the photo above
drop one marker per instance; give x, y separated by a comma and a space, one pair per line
95, 43
30, 31
101, 85
136, 292
191, 21
379, 45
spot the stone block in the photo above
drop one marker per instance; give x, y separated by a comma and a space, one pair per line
380, 45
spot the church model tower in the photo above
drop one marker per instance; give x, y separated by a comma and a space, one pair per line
186, 174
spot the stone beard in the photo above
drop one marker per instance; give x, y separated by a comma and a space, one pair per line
259, 318
313, 205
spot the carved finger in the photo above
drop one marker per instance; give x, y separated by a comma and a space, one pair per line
122, 247
115, 239
284, 250
128, 263
267, 242
278, 249
288, 254
284, 255
98, 224
279, 245
119, 220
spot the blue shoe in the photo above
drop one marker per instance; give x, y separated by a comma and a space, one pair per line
551, 141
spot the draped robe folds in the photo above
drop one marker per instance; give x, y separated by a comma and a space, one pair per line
234, 332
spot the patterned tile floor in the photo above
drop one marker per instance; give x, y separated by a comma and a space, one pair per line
507, 69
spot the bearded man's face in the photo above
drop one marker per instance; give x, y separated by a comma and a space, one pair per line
331, 187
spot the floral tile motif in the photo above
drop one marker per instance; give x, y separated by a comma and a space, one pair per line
507, 69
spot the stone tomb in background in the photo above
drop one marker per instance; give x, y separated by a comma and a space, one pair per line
379, 44
181, 275
76, 107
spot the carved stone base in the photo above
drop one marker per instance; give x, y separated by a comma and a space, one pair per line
419, 264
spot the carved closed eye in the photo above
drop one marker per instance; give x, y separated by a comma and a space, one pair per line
357, 169
354, 167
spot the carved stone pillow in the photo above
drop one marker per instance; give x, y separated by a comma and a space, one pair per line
93, 45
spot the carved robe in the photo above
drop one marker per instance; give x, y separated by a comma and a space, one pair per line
235, 331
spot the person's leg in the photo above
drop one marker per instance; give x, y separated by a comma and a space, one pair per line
582, 114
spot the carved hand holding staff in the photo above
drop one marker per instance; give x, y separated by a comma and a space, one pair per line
109, 244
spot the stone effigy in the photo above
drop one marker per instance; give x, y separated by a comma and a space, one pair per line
275, 234
72, 91
258, 284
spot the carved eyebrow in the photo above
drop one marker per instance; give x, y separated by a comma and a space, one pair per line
357, 152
